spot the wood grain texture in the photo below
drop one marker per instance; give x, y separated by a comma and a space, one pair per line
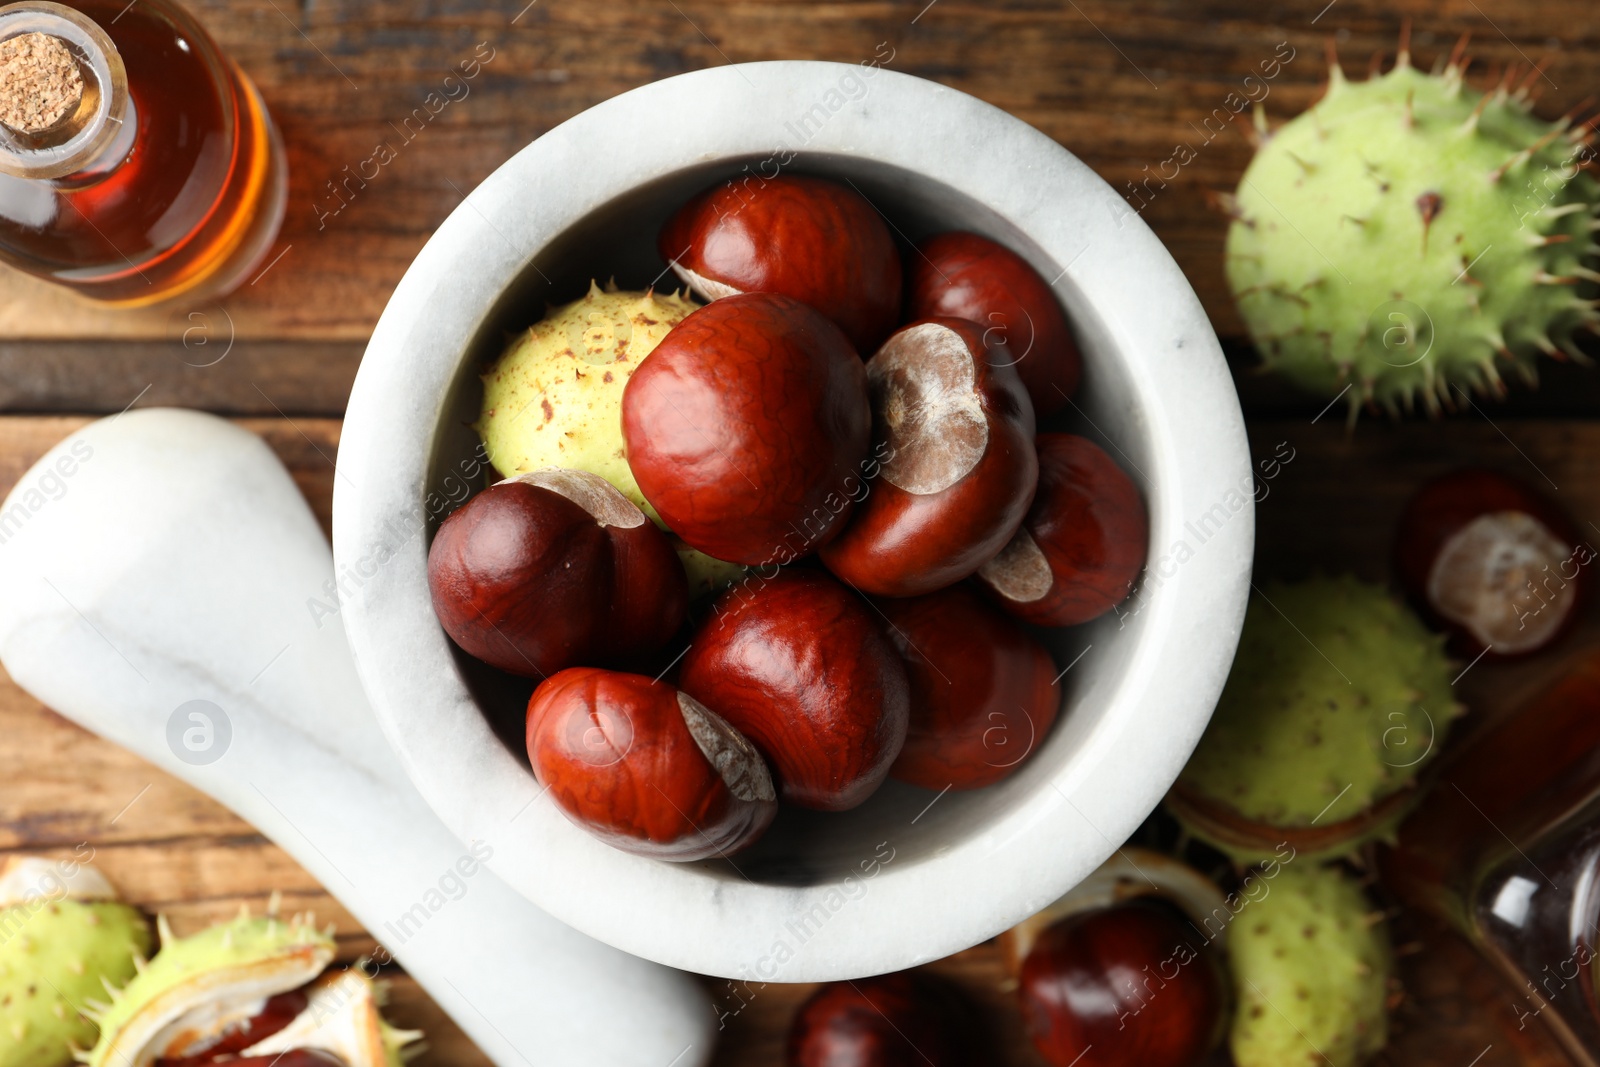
1332, 506
204, 367
1122, 84
311, 378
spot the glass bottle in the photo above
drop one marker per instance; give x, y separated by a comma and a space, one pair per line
162, 176
1506, 848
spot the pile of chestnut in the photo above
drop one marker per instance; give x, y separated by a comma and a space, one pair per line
861, 436
1095, 989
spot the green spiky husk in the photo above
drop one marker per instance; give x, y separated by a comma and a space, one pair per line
246, 945
395, 1042
1337, 698
54, 959
554, 397
1342, 284
1311, 965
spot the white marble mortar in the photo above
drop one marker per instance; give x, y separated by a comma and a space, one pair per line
910, 876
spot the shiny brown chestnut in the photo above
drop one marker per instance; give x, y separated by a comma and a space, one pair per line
905, 1019
646, 768
800, 665
814, 240
1493, 561
955, 429
1122, 985
747, 427
983, 693
1082, 544
492, 556
551, 568
648, 590
964, 276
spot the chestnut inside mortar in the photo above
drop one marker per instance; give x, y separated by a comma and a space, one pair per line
617, 240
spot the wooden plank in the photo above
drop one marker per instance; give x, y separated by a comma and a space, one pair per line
294, 379
1120, 83
202, 365
1335, 504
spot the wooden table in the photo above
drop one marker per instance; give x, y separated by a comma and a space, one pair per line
1119, 83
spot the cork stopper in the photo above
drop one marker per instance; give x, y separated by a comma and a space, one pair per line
39, 82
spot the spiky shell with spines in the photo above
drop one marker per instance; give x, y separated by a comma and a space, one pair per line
1311, 967
195, 983
59, 951
1409, 238
1337, 699
343, 1016
554, 397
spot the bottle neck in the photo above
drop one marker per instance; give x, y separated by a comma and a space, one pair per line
64, 104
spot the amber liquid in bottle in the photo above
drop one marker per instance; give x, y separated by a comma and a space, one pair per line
187, 196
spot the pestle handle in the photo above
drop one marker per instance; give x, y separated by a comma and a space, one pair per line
162, 565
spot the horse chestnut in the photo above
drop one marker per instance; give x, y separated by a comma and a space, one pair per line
1123, 985
547, 569
1082, 544
646, 768
955, 428
983, 693
965, 276
1493, 561
801, 666
747, 426
906, 1019
816, 241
